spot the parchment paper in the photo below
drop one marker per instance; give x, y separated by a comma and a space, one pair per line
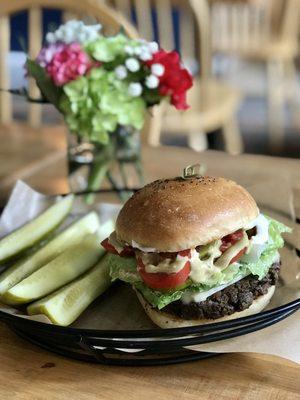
118, 308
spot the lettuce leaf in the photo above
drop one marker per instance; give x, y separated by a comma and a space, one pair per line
261, 267
276, 228
125, 269
270, 254
156, 298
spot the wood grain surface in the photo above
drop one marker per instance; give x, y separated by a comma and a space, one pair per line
30, 373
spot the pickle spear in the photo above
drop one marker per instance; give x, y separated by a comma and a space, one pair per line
26, 266
63, 269
66, 304
31, 233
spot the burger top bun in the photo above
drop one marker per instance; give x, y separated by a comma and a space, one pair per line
177, 214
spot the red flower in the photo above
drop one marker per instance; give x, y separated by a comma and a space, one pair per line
175, 80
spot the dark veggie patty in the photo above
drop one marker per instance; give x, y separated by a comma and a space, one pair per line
236, 297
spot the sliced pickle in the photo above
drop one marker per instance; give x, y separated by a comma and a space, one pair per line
34, 231
26, 266
70, 264
66, 304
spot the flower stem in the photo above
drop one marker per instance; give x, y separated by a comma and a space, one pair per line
95, 179
139, 170
121, 164
122, 195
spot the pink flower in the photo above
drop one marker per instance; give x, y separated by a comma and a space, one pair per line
68, 64
47, 53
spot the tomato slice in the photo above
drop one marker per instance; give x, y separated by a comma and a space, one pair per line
185, 253
231, 239
162, 281
239, 255
108, 247
126, 252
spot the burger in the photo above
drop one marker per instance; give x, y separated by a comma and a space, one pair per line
196, 250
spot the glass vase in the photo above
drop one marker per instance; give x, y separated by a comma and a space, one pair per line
92, 165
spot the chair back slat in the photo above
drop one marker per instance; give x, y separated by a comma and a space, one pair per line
202, 15
187, 36
165, 24
68, 16
291, 20
124, 6
238, 27
5, 98
245, 37
144, 20
35, 43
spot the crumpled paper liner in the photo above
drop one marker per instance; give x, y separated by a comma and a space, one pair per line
110, 311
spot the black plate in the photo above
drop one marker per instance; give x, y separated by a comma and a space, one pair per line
143, 347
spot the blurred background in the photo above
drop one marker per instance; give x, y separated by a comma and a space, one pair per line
254, 55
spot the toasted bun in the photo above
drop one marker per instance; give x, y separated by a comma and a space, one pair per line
177, 214
165, 320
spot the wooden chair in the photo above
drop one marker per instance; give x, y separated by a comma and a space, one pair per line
111, 20
213, 104
263, 31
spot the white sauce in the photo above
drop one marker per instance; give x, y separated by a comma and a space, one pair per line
259, 241
262, 228
189, 297
143, 249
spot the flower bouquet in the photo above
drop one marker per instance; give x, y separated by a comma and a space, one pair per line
103, 87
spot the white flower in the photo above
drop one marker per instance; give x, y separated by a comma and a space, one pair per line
157, 69
132, 64
152, 82
137, 51
129, 50
82, 37
93, 35
74, 31
121, 72
50, 37
145, 55
68, 36
59, 35
135, 89
153, 47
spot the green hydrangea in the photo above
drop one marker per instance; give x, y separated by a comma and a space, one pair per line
107, 49
95, 104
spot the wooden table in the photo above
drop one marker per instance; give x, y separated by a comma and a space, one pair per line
30, 373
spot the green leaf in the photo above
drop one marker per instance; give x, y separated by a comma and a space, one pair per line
261, 267
158, 299
123, 268
51, 92
276, 228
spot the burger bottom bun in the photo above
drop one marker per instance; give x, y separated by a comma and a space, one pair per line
166, 320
